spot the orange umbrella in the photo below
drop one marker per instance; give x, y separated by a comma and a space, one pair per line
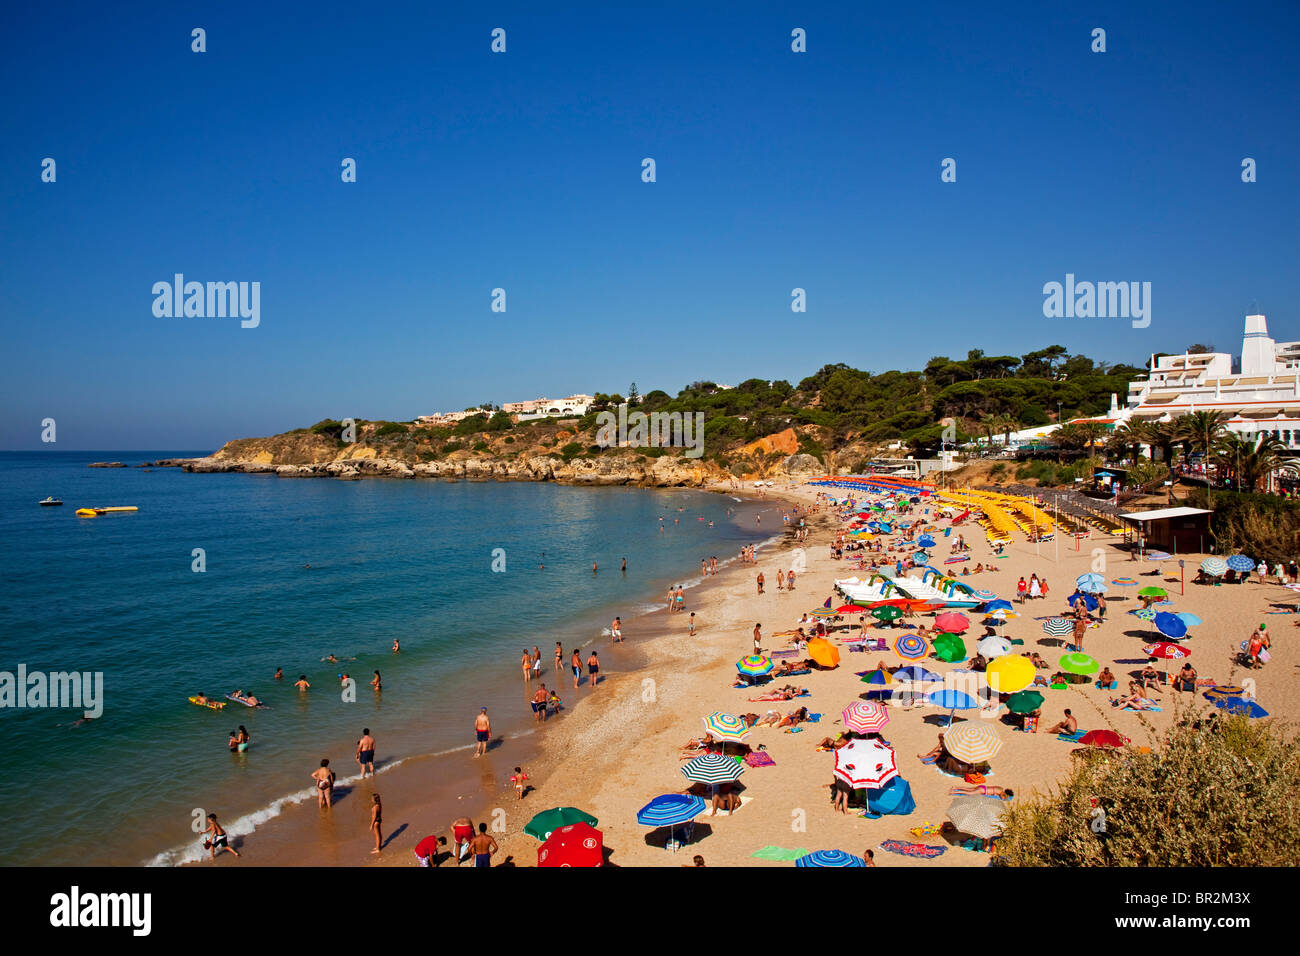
824, 652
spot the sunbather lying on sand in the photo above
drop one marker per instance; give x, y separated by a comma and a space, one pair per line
984, 790
1037, 660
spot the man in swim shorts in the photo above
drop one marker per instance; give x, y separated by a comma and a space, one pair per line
462, 832
483, 846
482, 732
539, 704
366, 753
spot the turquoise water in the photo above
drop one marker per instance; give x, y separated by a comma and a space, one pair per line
388, 559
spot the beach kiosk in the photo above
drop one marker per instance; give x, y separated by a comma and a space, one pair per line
1177, 530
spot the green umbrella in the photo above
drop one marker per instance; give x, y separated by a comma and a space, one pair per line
949, 647
548, 821
1024, 702
1153, 592
887, 612
1077, 663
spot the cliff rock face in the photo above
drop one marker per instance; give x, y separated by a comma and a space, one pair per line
304, 455
786, 442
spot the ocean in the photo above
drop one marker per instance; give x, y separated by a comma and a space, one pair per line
295, 570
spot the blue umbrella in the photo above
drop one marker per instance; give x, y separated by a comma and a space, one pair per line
1240, 705
670, 810
1171, 625
915, 673
921, 556
1091, 587
952, 700
1089, 601
1083, 582
1190, 619
829, 858
1239, 562
1159, 556
925, 541
997, 605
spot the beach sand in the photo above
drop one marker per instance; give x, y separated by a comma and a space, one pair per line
618, 746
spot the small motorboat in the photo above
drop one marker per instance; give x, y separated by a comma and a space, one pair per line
51, 501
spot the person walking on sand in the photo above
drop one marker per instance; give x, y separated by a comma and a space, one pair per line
780, 579
366, 752
692, 631
518, 780
760, 582
593, 670
219, 839
324, 778
376, 821
758, 639
789, 580
483, 846
681, 598
575, 664
482, 732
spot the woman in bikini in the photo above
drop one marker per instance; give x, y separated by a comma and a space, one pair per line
376, 821
324, 778
984, 790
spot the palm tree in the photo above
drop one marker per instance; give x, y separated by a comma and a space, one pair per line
1250, 460
1090, 432
1068, 437
1007, 424
1201, 429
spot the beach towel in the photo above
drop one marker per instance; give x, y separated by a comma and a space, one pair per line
759, 758
814, 718
1072, 738
779, 854
794, 730
922, 851
928, 760
1152, 708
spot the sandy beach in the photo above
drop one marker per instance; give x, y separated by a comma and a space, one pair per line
619, 745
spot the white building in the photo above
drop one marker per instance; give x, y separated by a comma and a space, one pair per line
549, 407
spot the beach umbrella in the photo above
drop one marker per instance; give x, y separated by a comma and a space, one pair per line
991, 647
1145, 613
1170, 625
823, 612
1170, 652
1088, 600
1159, 556
877, 676
972, 742
1215, 567
670, 810
1240, 705
864, 716
1090, 578
1077, 663
828, 858
917, 674
949, 648
887, 612
982, 594
951, 623
824, 652
1010, 673
978, 816
998, 605
1101, 738
548, 821
1153, 592
925, 541
755, 665
952, 701
1125, 582
1239, 562
578, 844
911, 647
1058, 626
1190, 619
726, 726
850, 609
1024, 702
865, 763
1224, 690
921, 556
712, 769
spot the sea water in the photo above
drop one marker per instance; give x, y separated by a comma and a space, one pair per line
293, 570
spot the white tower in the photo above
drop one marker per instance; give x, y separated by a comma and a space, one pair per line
1257, 353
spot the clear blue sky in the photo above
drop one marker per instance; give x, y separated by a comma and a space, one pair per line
522, 170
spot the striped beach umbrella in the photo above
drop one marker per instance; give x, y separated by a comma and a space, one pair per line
1077, 663
991, 647
712, 769
726, 726
1091, 577
972, 742
1159, 556
916, 674
670, 810
1124, 582
949, 648
1010, 673
877, 676
1024, 702
1224, 690
1239, 562
976, 815
865, 763
829, 858
864, 717
822, 612
982, 594
1216, 567
1058, 626
755, 665
911, 647
1170, 652
1171, 625
952, 623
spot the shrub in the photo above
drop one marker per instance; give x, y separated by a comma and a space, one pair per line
1215, 791
570, 451
470, 425
480, 446
451, 446
509, 440
329, 427
390, 428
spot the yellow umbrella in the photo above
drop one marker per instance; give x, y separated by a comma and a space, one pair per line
824, 652
1010, 673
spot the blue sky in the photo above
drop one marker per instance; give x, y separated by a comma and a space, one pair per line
775, 170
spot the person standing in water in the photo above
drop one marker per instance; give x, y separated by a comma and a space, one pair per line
526, 663
366, 753
482, 732
575, 661
593, 670
219, 840
559, 659
616, 630
624, 569
324, 778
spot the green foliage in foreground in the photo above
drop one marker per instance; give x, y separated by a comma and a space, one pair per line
1214, 791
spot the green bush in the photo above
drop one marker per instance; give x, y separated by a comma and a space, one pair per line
328, 426
480, 446
509, 440
570, 451
451, 446
390, 428
470, 425
499, 422
1214, 791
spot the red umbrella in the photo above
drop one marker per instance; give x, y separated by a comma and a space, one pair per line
1170, 652
578, 844
850, 609
952, 622
1102, 738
